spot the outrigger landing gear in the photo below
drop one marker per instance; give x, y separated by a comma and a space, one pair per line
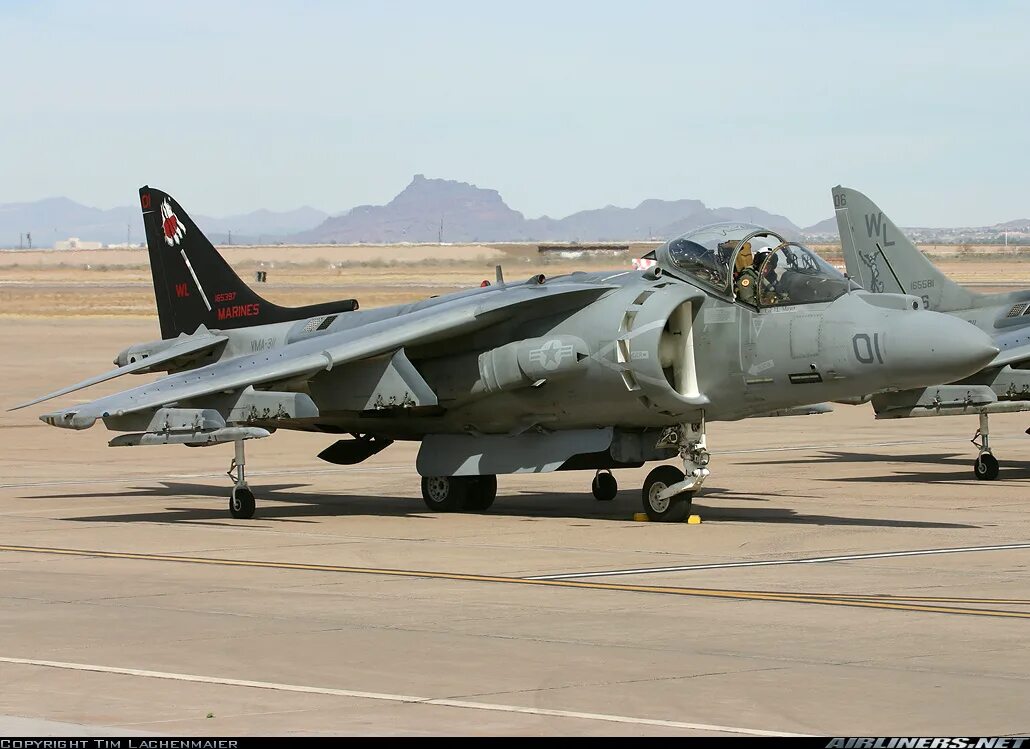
604, 486
986, 465
669, 492
241, 500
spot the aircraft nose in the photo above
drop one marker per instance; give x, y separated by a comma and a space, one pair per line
930, 348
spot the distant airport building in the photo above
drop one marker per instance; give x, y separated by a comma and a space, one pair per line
74, 243
576, 250
581, 248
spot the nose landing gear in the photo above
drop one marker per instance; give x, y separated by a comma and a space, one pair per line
668, 492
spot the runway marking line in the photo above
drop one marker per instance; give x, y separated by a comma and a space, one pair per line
826, 599
778, 562
402, 698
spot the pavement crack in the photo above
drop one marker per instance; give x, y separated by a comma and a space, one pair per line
611, 683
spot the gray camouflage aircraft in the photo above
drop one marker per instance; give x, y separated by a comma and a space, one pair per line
590, 371
884, 260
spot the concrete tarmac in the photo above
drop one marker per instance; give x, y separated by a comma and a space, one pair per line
130, 602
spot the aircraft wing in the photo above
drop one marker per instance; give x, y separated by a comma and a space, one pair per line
307, 358
188, 346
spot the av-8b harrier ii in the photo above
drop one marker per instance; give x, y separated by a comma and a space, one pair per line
590, 371
884, 260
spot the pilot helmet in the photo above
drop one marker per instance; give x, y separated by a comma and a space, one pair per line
761, 255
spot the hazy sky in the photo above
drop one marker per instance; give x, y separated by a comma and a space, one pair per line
559, 105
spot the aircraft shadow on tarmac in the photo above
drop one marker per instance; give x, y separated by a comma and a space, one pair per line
283, 502
959, 472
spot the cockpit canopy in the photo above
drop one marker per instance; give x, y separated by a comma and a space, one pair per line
752, 264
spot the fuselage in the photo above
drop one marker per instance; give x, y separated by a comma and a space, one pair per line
647, 352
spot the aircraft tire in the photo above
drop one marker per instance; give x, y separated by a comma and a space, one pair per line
604, 487
445, 493
986, 467
482, 493
671, 510
241, 503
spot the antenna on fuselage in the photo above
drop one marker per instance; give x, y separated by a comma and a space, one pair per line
499, 274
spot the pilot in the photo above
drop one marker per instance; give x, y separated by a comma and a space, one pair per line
760, 258
767, 276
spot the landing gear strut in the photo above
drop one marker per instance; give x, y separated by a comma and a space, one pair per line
986, 465
668, 492
241, 500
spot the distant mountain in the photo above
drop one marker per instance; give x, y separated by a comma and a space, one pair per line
261, 225
744, 215
422, 212
825, 228
614, 223
1020, 225
54, 219
428, 209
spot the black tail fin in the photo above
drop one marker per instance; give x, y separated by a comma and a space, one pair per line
194, 285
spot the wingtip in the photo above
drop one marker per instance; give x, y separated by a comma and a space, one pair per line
64, 419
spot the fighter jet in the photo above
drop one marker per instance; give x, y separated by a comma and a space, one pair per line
588, 371
885, 261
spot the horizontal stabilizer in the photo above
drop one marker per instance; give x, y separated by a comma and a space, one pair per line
188, 346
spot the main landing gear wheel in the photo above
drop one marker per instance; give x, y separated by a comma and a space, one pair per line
241, 503
456, 493
670, 509
986, 467
604, 486
482, 493
444, 493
